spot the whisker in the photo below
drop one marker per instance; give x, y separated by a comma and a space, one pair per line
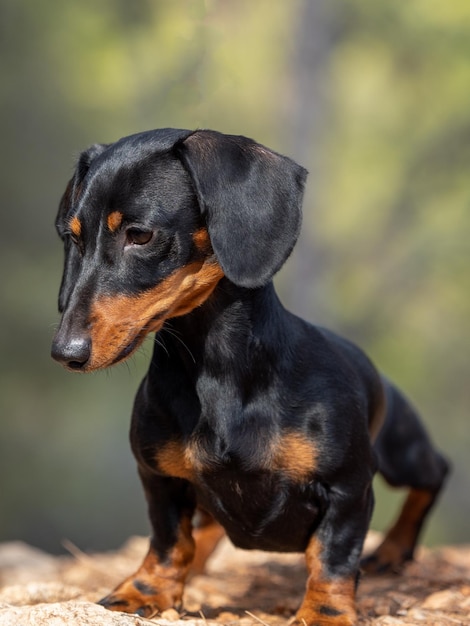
173, 333
161, 343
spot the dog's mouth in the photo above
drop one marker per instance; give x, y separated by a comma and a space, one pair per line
128, 350
118, 325
135, 344
104, 355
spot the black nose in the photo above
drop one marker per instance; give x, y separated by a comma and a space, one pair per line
73, 352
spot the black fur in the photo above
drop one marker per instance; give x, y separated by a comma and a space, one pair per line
273, 419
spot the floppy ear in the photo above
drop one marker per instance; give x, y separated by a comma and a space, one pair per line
251, 198
72, 190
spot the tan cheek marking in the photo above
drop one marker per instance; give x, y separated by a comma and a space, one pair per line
295, 456
114, 220
75, 226
118, 320
195, 289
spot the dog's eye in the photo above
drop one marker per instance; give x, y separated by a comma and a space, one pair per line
137, 237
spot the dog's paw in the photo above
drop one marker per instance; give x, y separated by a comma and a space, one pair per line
324, 616
329, 603
143, 598
389, 558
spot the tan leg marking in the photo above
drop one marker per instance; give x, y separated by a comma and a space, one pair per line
156, 586
399, 543
207, 536
327, 601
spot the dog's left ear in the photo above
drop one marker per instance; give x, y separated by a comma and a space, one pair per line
251, 198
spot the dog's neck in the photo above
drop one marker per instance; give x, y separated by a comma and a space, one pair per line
217, 351
229, 327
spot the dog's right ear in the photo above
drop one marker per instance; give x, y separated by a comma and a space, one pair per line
72, 190
251, 198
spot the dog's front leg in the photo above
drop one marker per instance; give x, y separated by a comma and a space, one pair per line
333, 556
159, 582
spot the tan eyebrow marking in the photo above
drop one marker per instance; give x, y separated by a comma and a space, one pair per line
75, 226
114, 220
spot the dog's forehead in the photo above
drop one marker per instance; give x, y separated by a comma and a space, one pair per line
161, 139
134, 151
125, 183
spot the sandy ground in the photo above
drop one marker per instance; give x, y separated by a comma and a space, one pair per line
239, 587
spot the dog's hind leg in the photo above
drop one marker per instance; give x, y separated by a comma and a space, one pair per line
207, 534
407, 458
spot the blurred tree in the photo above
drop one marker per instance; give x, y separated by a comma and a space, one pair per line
305, 135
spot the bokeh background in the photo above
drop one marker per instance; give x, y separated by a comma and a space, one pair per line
372, 97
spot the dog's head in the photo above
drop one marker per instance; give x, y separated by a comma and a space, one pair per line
150, 225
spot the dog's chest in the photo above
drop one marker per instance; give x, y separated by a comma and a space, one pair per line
255, 491
288, 455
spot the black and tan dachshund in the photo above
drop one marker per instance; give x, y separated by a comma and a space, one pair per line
250, 420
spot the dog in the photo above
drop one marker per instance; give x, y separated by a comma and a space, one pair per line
250, 422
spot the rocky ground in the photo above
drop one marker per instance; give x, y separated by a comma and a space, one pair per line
247, 588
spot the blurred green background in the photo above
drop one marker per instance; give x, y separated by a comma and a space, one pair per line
372, 97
